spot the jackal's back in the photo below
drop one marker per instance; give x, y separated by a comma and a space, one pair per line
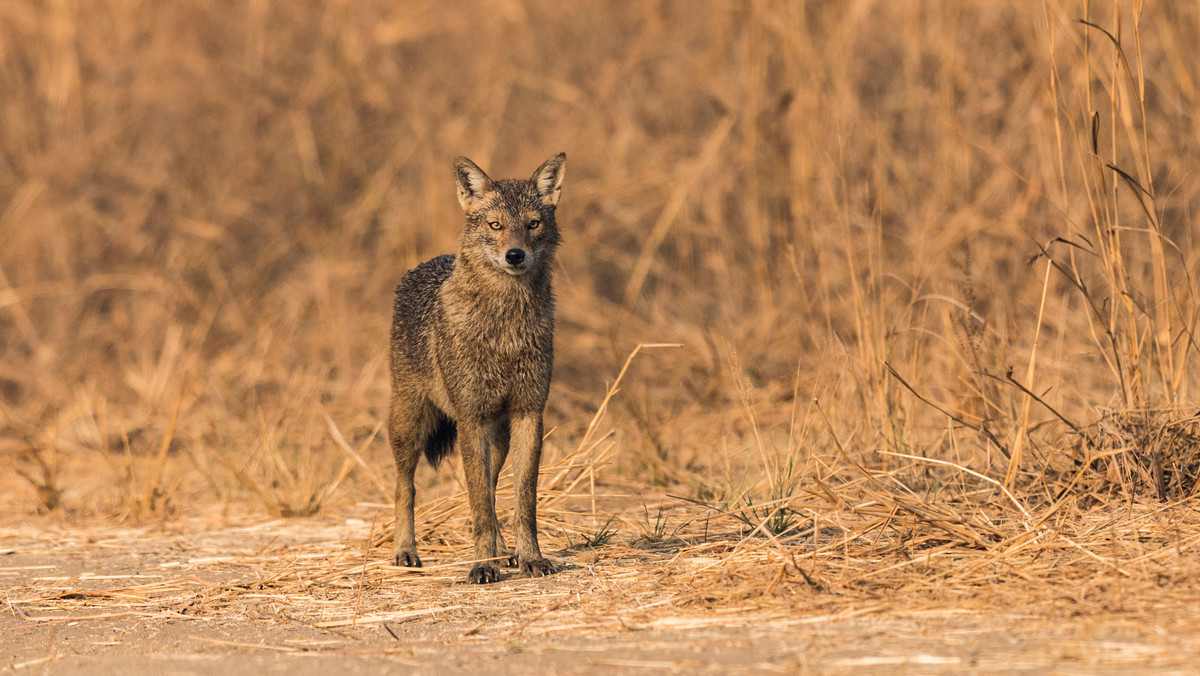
414, 313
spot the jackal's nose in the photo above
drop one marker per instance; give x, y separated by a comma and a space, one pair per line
514, 256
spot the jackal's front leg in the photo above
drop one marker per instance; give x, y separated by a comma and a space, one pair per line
476, 456
500, 435
526, 443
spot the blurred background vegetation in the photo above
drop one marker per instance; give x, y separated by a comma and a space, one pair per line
904, 211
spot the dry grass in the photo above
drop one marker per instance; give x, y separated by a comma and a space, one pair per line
1115, 565
930, 265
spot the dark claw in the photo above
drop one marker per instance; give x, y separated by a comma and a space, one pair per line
409, 559
483, 573
537, 568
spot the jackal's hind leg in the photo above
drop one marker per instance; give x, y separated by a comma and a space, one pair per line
406, 427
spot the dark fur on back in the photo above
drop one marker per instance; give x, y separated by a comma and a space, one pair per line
414, 304
416, 300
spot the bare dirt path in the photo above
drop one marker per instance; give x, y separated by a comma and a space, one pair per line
277, 596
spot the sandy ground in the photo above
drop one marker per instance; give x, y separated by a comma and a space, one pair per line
223, 595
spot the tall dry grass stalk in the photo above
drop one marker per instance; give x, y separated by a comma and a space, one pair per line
205, 206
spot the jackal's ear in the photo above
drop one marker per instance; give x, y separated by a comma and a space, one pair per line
473, 185
548, 179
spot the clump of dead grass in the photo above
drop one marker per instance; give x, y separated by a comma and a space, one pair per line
1147, 453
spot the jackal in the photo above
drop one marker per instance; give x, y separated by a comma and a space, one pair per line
471, 355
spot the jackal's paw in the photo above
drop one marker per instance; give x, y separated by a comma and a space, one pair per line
407, 558
483, 573
509, 560
537, 568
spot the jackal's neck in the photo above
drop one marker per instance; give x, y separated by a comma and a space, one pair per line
493, 291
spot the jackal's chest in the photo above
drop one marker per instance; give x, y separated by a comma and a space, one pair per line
503, 343
500, 326
495, 362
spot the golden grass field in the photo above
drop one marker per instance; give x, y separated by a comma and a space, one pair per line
867, 312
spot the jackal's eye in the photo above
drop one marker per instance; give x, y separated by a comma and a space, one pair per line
494, 225
534, 224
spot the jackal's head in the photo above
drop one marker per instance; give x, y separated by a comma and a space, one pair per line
510, 223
